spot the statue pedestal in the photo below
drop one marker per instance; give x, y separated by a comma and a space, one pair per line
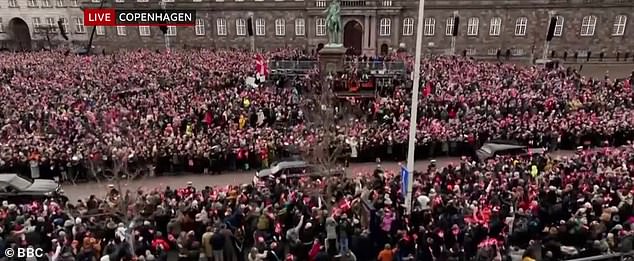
331, 59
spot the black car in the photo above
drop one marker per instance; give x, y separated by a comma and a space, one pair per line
17, 189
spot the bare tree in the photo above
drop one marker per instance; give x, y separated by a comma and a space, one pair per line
320, 116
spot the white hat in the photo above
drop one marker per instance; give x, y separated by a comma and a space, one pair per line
309, 225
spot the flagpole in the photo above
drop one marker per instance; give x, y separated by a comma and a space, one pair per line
414, 108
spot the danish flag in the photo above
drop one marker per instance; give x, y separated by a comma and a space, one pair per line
261, 67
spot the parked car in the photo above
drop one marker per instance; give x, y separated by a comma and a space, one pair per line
501, 148
14, 187
291, 169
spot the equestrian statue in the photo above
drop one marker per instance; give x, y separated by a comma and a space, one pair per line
333, 24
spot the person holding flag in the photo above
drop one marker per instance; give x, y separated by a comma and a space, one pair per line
261, 67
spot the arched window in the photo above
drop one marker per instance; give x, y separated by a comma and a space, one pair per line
472, 26
280, 27
620, 21
430, 26
495, 27
588, 25
520, 26
385, 27
408, 26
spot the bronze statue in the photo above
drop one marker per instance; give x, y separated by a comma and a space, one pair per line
333, 23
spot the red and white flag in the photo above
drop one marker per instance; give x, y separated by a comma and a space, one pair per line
261, 66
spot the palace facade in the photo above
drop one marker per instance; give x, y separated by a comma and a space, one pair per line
33, 24
517, 27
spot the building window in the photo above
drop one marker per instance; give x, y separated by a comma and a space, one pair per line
121, 31
620, 21
52, 24
65, 24
492, 51
142, 1
430, 26
74, 3
119, 1
241, 26
200, 27
171, 31
320, 27
46, 3
472, 26
520, 26
385, 26
449, 26
60, 3
31, 3
221, 26
495, 26
517, 52
408, 26
13, 3
100, 30
144, 30
1, 26
588, 24
36, 24
300, 27
280, 27
79, 25
260, 27
471, 51
559, 26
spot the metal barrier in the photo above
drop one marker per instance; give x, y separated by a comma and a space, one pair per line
616, 256
310, 65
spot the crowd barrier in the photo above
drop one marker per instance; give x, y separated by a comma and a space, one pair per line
229, 161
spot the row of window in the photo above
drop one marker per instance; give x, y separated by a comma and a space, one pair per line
240, 28
44, 3
588, 26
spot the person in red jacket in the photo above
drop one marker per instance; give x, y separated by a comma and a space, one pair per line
159, 243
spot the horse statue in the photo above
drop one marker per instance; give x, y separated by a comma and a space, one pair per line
333, 24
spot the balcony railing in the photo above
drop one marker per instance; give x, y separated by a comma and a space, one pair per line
346, 3
353, 3
386, 3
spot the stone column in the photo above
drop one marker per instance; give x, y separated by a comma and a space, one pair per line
373, 29
366, 32
396, 31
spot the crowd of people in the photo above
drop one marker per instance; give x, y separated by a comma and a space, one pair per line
66, 115
535, 207
193, 111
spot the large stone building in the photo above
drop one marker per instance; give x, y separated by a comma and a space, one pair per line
25, 24
485, 26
